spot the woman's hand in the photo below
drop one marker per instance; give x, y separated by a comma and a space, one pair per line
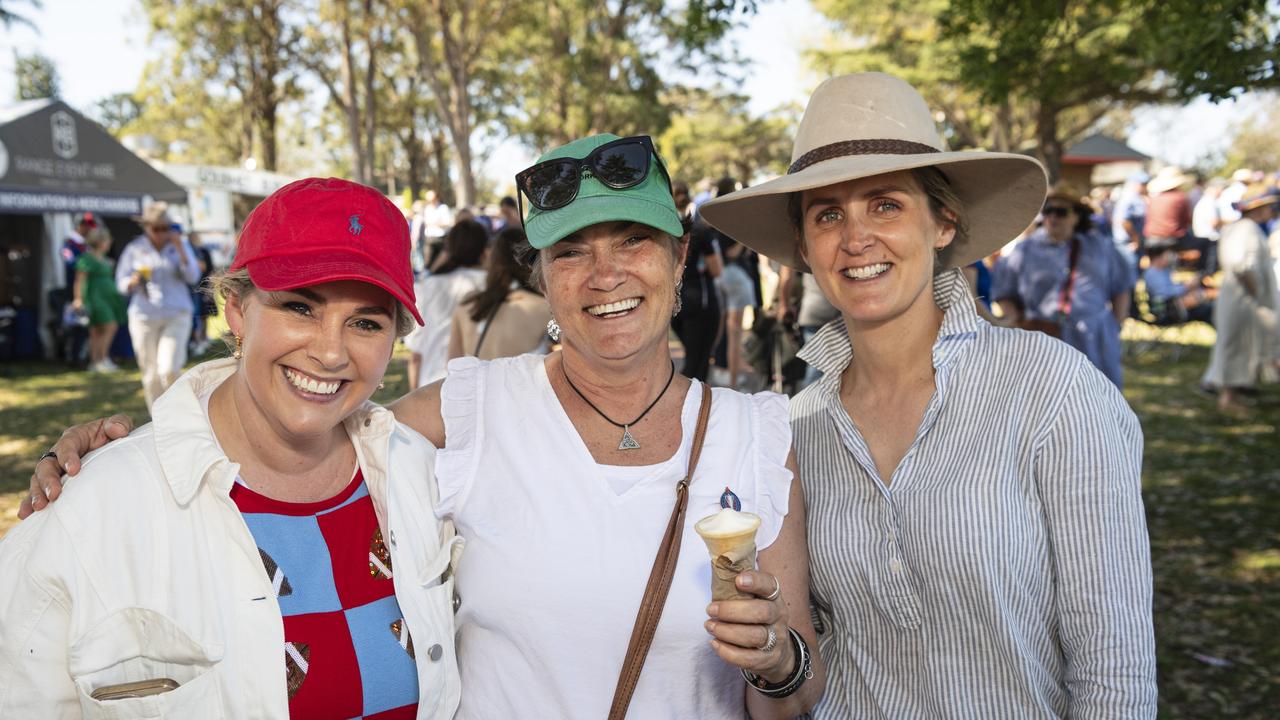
46, 481
741, 628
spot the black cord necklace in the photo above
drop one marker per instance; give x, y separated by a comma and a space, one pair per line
628, 441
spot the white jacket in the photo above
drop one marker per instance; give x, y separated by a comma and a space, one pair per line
145, 569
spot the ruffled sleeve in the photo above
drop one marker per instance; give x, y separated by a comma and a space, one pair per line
771, 431
461, 405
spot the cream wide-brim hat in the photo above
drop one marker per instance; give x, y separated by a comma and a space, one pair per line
1169, 178
866, 124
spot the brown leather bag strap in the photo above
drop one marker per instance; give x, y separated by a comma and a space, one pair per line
664, 566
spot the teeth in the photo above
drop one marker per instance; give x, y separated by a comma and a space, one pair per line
614, 307
311, 385
866, 271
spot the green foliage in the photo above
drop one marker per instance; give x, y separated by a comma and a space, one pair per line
1004, 72
227, 57
591, 67
1254, 144
116, 112
713, 134
37, 76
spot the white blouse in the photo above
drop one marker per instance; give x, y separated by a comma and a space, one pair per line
559, 548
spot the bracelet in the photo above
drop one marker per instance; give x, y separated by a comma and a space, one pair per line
803, 671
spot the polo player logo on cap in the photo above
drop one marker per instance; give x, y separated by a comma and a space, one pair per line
355, 227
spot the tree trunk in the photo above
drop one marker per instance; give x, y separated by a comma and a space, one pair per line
1050, 145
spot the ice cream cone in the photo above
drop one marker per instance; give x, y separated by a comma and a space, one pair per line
730, 537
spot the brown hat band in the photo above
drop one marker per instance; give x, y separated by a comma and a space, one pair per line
859, 147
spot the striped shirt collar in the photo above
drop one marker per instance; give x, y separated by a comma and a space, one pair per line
829, 350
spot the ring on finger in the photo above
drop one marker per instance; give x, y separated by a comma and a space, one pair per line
777, 590
770, 643
49, 454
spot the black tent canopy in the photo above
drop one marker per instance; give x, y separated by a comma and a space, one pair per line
53, 159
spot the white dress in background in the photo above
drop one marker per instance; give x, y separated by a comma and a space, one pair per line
559, 547
438, 296
1246, 344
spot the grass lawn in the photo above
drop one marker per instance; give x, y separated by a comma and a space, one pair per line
1212, 486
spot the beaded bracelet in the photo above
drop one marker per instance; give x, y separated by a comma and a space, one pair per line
803, 671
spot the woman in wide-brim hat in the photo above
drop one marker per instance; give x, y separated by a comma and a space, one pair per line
1246, 349
976, 530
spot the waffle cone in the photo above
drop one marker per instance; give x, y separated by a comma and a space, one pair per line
731, 554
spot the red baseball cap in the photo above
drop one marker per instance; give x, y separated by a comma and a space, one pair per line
317, 230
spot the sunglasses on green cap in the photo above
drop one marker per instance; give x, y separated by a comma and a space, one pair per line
623, 163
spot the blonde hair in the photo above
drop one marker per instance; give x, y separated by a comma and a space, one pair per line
238, 284
98, 236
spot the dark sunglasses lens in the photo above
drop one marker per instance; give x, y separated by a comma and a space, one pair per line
1056, 212
622, 165
552, 185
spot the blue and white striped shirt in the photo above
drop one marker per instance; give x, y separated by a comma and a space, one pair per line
1005, 571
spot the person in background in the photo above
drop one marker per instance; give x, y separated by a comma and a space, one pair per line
156, 272
1206, 221
201, 296
1167, 299
1169, 214
508, 214
1067, 281
1245, 351
813, 312
95, 295
1128, 219
75, 243
973, 493
1232, 194
458, 272
505, 318
698, 317
437, 218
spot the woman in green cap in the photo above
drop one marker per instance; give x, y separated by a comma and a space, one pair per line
561, 471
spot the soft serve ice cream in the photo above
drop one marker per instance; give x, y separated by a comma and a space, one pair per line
730, 536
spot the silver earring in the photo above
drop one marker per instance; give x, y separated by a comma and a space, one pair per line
381, 384
679, 300
553, 330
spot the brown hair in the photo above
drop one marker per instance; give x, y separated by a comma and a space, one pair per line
237, 283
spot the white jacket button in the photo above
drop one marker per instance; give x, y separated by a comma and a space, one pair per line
392, 535
435, 652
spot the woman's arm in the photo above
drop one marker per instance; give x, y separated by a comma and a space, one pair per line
77, 290
1088, 473
455, 337
46, 481
739, 626
420, 410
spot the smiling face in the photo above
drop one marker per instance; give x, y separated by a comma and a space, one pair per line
870, 243
611, 287
312, 355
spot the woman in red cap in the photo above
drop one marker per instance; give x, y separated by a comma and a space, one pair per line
234, 558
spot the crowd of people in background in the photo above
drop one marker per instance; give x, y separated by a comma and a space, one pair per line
1167, 249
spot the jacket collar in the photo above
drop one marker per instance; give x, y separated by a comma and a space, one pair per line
829, 350
188, 450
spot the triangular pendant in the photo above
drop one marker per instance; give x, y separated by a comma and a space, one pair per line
628, 442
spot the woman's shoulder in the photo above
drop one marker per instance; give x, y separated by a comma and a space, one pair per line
120, 479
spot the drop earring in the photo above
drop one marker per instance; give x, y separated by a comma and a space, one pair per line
239, 351
679, 300
553, 330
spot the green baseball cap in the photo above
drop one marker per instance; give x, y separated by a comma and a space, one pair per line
649, 203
